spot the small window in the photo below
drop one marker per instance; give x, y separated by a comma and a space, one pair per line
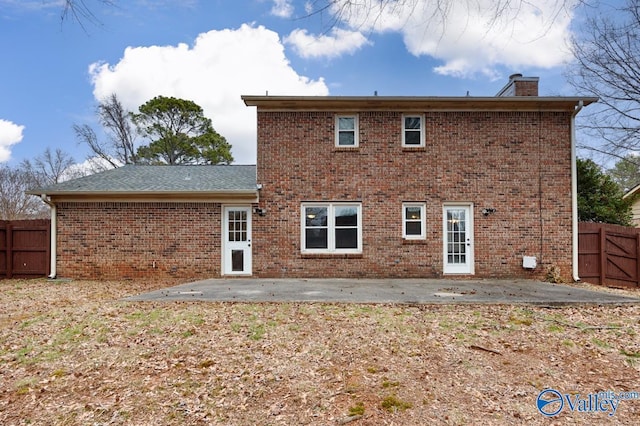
347, 130
331, 228
412, 130
413, 221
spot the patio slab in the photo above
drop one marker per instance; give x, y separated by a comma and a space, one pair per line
401, 291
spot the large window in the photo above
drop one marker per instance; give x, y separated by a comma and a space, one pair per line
331, 228
412, 130
413, 221
346, 130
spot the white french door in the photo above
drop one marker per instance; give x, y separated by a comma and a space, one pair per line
458, 239
236, 253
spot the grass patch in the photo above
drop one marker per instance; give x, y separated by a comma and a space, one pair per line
555, 328
630, 354
23, 386
632, 358
521, 317
393, 404
256, 331
357, 410
600, 343
389, 384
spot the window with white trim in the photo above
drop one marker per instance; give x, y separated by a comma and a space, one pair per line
413, 221
346, 130
412, 130
331, 228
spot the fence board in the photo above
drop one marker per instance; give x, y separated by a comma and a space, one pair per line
609, 254
24, 248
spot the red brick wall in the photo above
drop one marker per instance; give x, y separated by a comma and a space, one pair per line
123, 240
517, 163
526, 88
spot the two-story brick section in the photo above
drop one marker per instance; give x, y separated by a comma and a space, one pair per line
370, 186
416, 186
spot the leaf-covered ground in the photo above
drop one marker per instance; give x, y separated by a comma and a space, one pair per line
72, 353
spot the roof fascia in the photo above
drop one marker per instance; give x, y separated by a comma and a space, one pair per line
633, 191
172, 197
407, 103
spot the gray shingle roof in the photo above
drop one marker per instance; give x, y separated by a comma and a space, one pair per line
158, 180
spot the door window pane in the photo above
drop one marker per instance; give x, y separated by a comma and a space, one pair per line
237, 260
237, 225
456, 236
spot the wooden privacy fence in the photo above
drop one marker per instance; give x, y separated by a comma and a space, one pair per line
608, 254
24, 248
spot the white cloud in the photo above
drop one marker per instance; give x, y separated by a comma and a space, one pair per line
10, 134
282, 8
334, 45
219, 68
472, 36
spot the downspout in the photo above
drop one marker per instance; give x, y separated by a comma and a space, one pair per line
574, 195
53, 236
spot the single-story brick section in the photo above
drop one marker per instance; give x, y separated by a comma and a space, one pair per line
370, 186
140, 221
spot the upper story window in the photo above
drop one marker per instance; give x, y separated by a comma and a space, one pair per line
346, 130
412, 130
331, 228
413, 221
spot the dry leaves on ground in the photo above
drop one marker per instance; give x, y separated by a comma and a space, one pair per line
74, 353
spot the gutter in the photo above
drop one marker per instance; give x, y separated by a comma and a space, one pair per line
53, 236
574, 194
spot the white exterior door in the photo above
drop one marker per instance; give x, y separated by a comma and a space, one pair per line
236, 253
458, 239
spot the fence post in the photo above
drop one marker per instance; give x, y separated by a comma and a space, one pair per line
603, 254
9, 234
3, 226
637, 260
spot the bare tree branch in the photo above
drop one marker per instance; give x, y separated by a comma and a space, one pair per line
117, 121
119, 149
14, 203
81, 12
85, 134
49, 167
361, 14
608, 66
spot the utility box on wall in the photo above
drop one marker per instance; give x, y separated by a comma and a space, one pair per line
529, 262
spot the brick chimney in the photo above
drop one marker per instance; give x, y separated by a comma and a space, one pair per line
520, 86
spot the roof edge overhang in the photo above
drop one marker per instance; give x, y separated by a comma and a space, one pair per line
160, 196
632, 192
408, 103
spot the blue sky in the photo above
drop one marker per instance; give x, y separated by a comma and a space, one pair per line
213, 51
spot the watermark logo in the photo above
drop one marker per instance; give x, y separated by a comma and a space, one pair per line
551, 402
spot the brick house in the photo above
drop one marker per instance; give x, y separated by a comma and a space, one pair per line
370, 186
